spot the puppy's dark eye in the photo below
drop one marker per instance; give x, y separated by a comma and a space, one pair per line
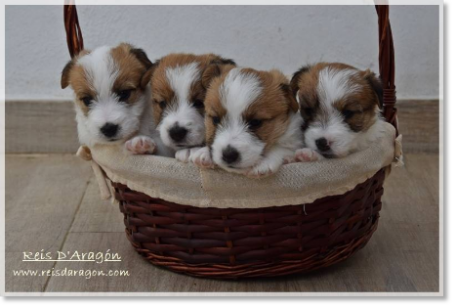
216, 120
348, 114
87, 100
307, 111
254, 123
198, 104
124, 95
162, 104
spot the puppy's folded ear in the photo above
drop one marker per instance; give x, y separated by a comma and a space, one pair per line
211, 72
69, 66
217, 66
65, 74
217, 59
293, 104
376, 85
294, 83
223, 61
142, 57
146, 78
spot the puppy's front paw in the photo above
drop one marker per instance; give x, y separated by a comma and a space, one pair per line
202, 158
289, 159
263, 169
307, 155
183, 155
140, 145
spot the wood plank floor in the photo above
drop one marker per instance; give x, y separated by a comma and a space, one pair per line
53, 204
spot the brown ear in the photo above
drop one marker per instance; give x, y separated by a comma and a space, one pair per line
65, 74
293, 104
211, 72
294, 83
223, 61
146, 78
142, 57
376, 85
217, 67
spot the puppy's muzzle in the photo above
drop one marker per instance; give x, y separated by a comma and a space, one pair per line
322, 145
230, 155
110, 130
324, 148
177, 133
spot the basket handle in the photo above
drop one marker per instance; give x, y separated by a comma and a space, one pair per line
74, 37
386, 53
386, 64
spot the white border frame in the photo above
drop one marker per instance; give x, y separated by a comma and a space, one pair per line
219, 294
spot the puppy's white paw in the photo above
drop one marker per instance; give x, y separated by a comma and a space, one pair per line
140, 145
307, 155
289, 159
263, 169
183, 155
202, 158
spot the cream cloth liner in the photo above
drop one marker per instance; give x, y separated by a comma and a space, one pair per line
296, 183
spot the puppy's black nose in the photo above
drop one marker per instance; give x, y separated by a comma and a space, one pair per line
178, 133
230, 155
322, 144
109, 130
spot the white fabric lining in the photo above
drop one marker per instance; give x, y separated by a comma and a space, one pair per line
296, 183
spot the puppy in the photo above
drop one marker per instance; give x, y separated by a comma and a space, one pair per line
340, 106
179, 83
112, 97
252, 124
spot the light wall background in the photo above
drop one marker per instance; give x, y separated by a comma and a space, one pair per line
262, 37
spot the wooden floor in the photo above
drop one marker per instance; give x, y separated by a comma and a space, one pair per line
53, 204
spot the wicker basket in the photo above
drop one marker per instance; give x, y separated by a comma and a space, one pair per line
271, 241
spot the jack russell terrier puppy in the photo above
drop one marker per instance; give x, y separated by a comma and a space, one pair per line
340, 106
112, 97
179, 83
252, 123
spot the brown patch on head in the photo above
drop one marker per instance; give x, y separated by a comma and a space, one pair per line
163, 94
304, 87
76, 76
358, 108
65, 74
268, 116
197, 96
376, 85
132, 65
272, 108
214, 110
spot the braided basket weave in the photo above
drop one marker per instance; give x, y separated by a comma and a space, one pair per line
263, 242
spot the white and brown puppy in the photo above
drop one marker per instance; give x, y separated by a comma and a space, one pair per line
340, 106
112, 97
179, 83
252, 123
